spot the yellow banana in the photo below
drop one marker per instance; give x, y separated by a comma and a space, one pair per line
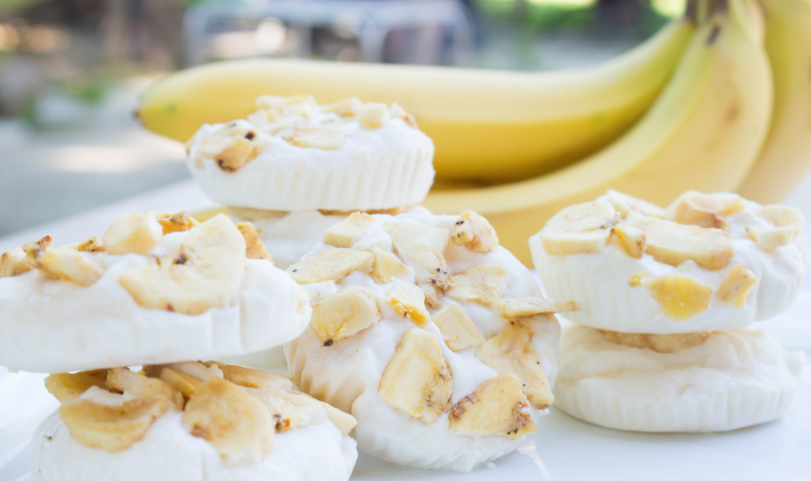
703, 132
492, 125
786, 155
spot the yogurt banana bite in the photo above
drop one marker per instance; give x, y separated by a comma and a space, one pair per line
666, 294
155, 288
295, 168
430, 334
189, 421
707, 262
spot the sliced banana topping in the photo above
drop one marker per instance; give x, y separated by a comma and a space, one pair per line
349, 231
93, 244
626, 204
254, 378
423, 249
783, 215
673, 243
63, 263
290, 410
374, 115
182, 382
323, 137
179, 222
579, 229
736, 285
343, 421
398, 112
417, 380
331, 265
531, 306
511, 352
121, 379
408, 300
344, 314
704, 210
137, 233
664, 343
631, 239
206, 273
496, 406
387, 266
235, 423
680, 297
345, 108
112, 428
457, 328
483, 284
474, 232
14, 262
254, 248
232, 147
66, 387
769, 238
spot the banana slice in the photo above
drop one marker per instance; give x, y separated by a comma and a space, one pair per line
483, 284
62, 263
474, 232
704, 210
206, 273
289, 410
531, 306
67, 387
408, 300
14, 262
673, 243
344, 314
665, 343
680, 297
423, 249
331, 265
387, 266
235, 423
496, 406
182, 382
112, 428
579, 229
457, 328
783, 215
137, 233
232, 147
138, 385
631, 239
254, 378
511, 352
374, 115
769, 238
417, 380
179, 222
736, 285
625, 204
254, 248
349, 231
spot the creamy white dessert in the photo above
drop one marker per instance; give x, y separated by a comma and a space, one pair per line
189, 422
156, 288
432, 335
295, 155
698, 382
708, 262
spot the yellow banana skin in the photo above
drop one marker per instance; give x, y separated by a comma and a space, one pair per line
704, 132
486, 125
786, 156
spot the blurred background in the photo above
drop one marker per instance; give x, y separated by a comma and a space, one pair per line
71, 70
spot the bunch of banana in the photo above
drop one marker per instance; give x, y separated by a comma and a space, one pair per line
689, 109
494, 125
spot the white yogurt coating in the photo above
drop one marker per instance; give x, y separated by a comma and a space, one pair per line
599, 282
736, 378
374, 168
347, 373
57, 326
169, 453
290, 236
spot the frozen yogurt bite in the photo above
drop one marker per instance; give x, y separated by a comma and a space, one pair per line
155, 288
433, 336
296, 168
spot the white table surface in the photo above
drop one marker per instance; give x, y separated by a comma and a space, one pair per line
564, 448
